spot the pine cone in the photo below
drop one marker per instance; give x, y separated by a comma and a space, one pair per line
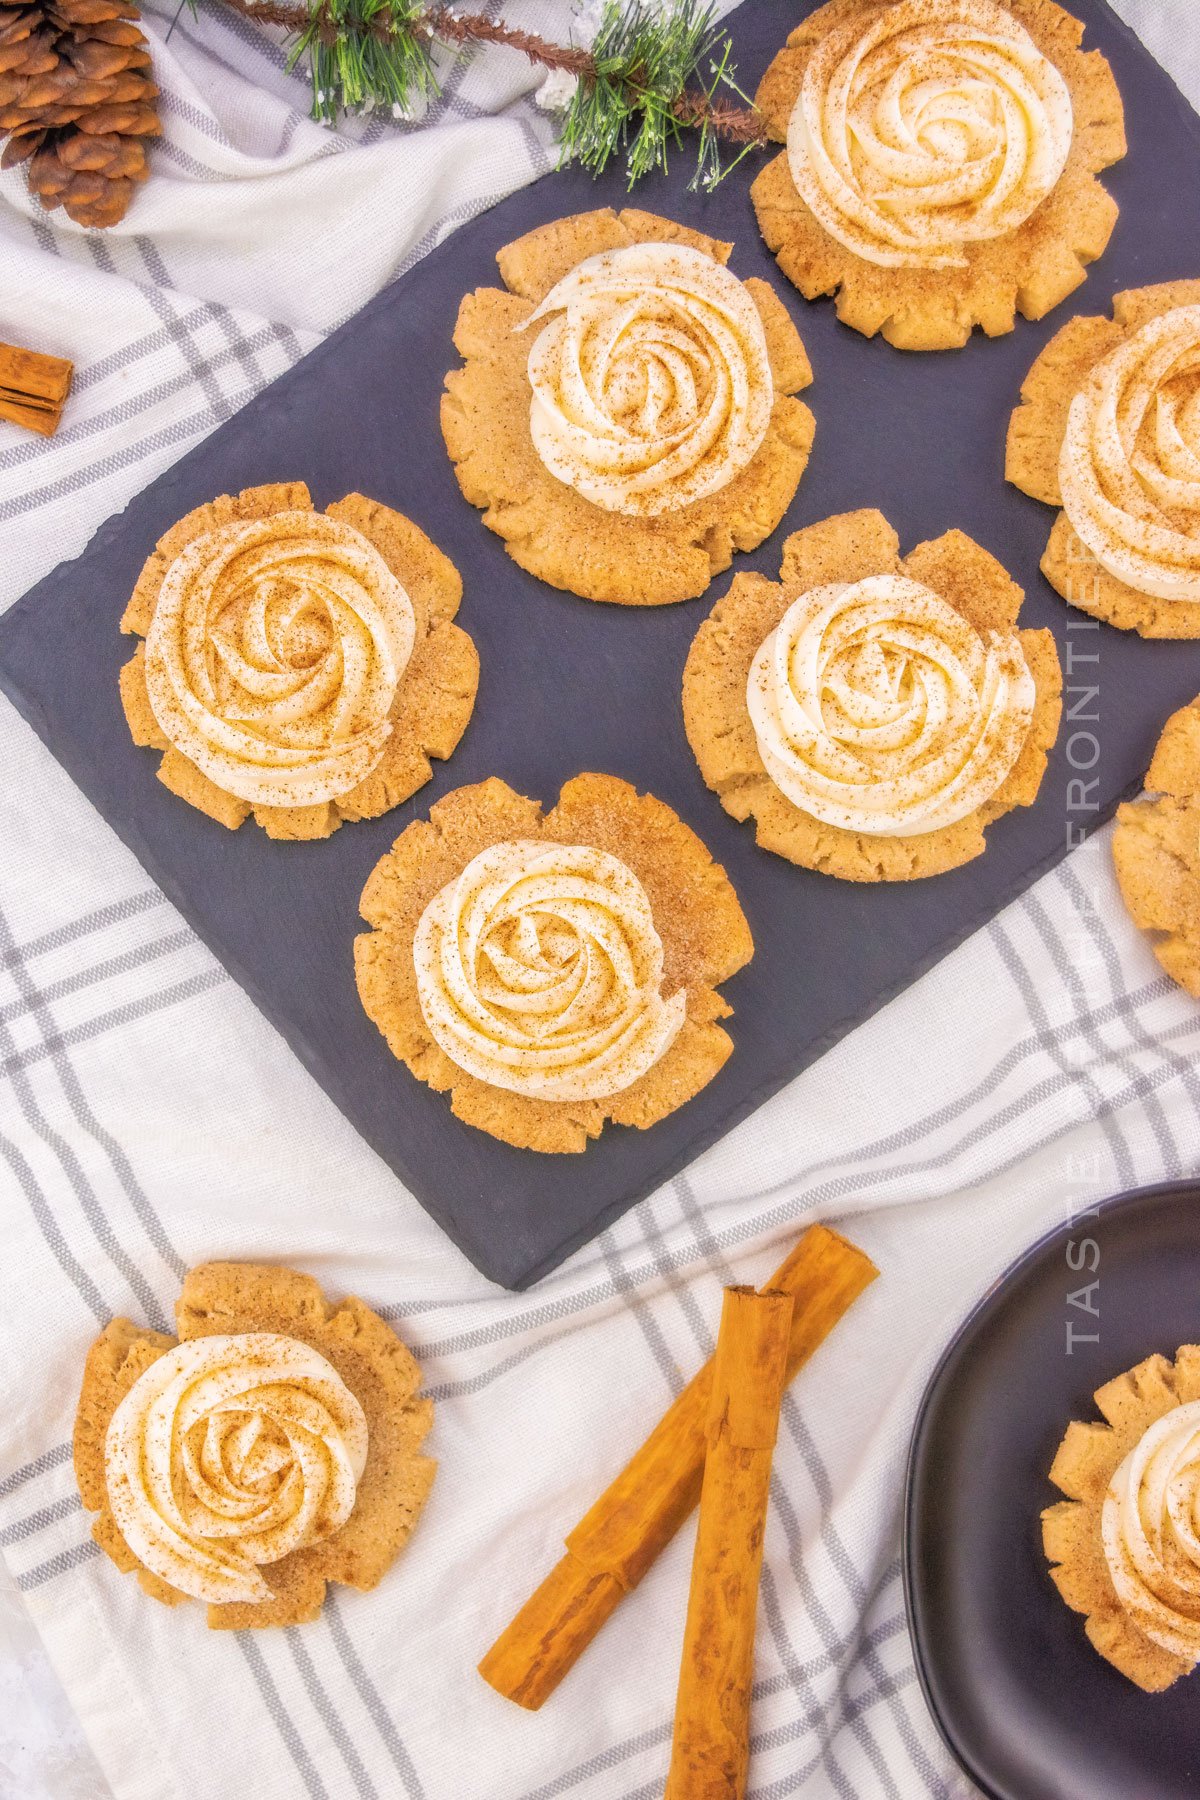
77, 102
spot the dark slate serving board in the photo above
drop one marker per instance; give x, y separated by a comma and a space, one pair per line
568, 685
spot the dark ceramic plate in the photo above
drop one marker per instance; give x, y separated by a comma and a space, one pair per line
1030, 1710
567, 685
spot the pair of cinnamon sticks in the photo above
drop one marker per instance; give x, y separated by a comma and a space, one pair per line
713, 1445
33, 388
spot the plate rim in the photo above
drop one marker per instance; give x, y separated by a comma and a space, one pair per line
983, 1305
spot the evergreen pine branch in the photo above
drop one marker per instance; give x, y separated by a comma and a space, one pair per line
636, 102
650, 76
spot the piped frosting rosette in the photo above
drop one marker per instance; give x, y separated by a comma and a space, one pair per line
1151, 1532
274, 654
651, 382
1129, 469
879, 709
539, 970
231, 1452
919, 130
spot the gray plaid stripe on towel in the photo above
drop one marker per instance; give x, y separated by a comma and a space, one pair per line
150, 1118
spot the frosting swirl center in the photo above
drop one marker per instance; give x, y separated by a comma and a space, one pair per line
879, 708
651, 382
274, 653
229, 1452
1150, 1527
539, 970
914, 136
1129, 469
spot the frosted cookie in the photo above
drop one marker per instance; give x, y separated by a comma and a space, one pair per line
1156, 848
626, 413
1109, 430
1124, 1544
297, 665
273, 1446
552, 970
872, 713
940, 163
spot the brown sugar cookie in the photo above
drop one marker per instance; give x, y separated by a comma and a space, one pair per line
940, 163
872, 713
272, 1447
298, 665
552, 970
1106, 431
1116, 1554
1156, 849
626, 466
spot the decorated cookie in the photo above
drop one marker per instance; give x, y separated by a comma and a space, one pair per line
298, 665
1109, 430
1156, 848
625, 413
940, 163
272, 1447
1124, 1544
872, 713
552, 970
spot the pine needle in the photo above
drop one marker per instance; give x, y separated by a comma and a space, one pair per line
653, 73
366, 52
637, 104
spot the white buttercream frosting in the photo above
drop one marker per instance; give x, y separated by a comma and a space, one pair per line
1151, 1532
231, 1452
651, 381
1129, 469
539, 969
274, 653
923, 128
879, 708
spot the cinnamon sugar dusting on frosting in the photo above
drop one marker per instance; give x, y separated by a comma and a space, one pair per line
879, 709
1129, 469
230, 1452
651, 382
274, 655
539, 970
921, 129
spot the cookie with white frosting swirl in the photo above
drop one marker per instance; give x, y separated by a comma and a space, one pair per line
231, 1452
872, 714
553, 970
298, 665
1109, 431
1150, 1528
939, 164
924, 129
1124, 1547
1156, 850
539, 969
274, 1446
878, 708
650, 377
625, 414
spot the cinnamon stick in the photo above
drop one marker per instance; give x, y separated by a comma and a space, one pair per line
615, 1543
710, 1746
33, 388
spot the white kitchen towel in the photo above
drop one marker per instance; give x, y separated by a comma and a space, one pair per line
151, 1119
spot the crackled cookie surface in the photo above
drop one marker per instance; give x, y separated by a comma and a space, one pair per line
626, 413
273, 1447
298, 665
1156, 849
872, 713
940, 163
1124, 1546
552, 970
1109, 430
